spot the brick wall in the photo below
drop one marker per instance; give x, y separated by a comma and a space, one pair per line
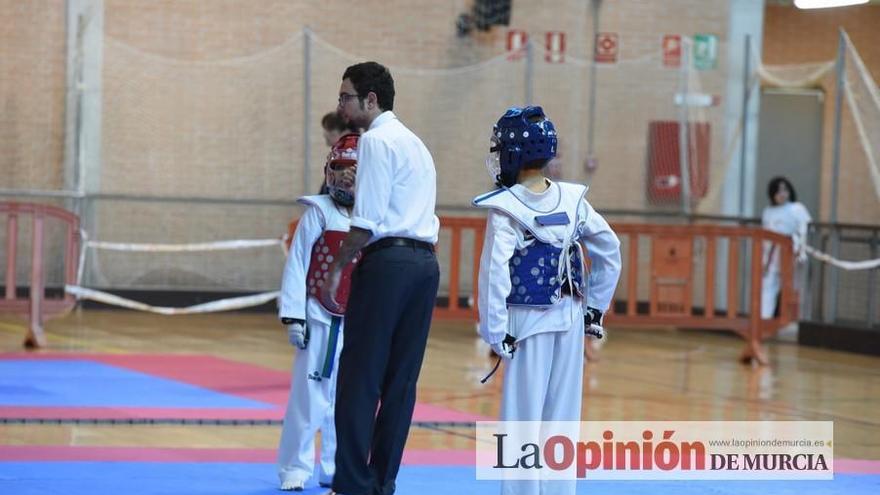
402, 34
237, 130
32, 68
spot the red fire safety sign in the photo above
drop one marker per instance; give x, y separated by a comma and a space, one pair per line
516, 43
555, 47
607, 48
671, 50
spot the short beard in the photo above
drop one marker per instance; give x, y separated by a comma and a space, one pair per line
361, 120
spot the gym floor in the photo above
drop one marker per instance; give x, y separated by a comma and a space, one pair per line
125, 402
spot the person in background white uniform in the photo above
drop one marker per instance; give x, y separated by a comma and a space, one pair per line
315, 330
535, 300
786, 216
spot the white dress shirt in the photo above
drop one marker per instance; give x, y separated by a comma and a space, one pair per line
396, 186
504, 235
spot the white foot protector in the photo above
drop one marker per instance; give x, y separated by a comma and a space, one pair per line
293, 485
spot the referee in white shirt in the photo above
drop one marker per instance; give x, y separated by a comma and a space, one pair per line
393, 287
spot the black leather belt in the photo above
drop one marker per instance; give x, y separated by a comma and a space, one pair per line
387, 242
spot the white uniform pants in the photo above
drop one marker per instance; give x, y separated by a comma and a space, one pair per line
311, 407
770, 286
544, 382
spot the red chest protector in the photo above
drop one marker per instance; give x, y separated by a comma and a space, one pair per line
323, 254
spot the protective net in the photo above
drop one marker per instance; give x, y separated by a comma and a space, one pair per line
451, 110
863, 103
198, 149
226, 129
859, 173
842, 282
641, 129
205, 143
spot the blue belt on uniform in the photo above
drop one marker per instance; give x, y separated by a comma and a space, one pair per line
387, 242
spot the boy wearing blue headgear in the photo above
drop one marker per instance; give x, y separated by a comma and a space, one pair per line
536, 300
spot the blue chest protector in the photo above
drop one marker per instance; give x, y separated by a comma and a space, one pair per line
553, 257
536, 278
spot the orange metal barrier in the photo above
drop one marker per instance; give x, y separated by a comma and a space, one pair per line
455, 310
670, 294
36, 307
670, 300
671, 297
671, 291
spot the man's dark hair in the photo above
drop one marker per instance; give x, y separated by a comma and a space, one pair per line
334, 122
375, 77
773, 188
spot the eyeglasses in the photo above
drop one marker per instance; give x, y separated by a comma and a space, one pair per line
345, 96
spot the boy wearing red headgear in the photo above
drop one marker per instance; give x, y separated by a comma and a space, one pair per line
312, 327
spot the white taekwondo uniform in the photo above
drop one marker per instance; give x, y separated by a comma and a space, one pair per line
311, 405
523, 268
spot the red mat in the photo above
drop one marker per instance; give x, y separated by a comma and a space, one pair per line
217, 374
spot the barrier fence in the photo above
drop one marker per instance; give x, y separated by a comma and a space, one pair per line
684, 276
686, 258
658, 291
36, 307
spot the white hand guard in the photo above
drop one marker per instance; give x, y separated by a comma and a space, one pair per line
506, 347
297, 335
593, 323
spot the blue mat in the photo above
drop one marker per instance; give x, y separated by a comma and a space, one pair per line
79, 383
136, 478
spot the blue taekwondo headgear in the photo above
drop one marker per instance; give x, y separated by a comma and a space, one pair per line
522, 135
